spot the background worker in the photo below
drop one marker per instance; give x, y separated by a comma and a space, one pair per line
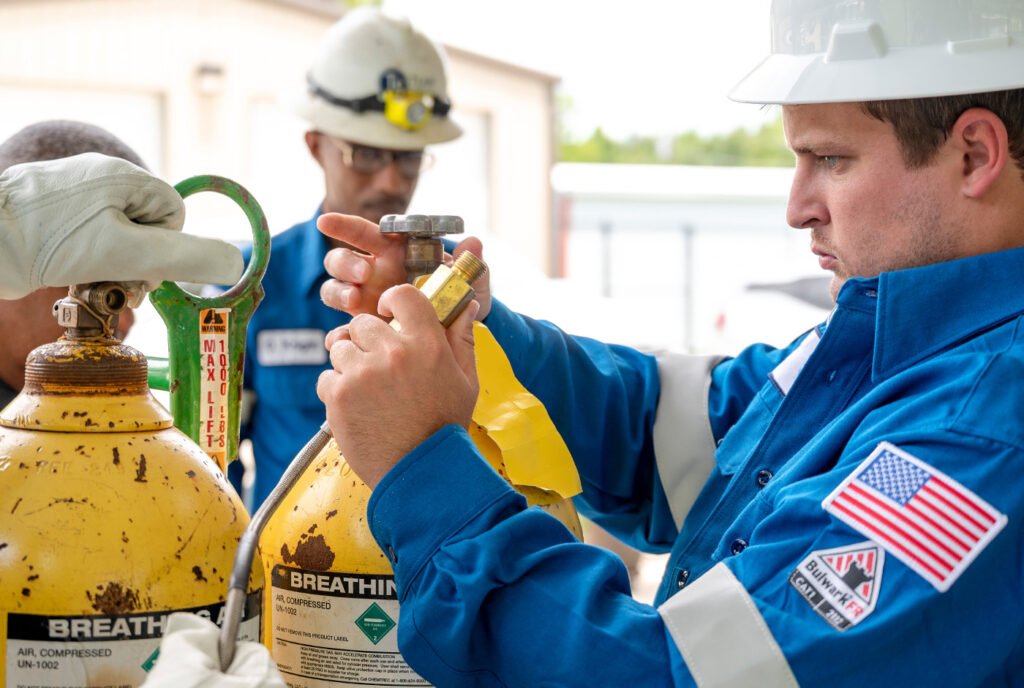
33, 314
844, 509
376, 96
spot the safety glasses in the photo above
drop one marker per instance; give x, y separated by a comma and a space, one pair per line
370, 160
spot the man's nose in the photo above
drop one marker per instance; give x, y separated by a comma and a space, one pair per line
391, 179
806, 207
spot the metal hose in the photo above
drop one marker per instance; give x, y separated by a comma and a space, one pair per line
238, 583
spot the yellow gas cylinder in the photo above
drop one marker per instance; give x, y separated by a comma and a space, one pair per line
331, 608
112, 518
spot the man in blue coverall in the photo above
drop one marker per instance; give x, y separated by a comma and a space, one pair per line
376, 95
842, 511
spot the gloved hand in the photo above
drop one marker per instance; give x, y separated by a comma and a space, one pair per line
189, 659
92, 218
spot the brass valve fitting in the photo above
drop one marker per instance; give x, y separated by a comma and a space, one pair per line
450, 288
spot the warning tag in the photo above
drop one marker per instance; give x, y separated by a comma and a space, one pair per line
214, 367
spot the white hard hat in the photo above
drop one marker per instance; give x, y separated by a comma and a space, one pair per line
828, 51
377, 81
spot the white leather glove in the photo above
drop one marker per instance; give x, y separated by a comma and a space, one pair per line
92, 218
189, 659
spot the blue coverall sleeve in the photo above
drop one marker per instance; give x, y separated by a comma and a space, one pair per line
603, 399
494, 593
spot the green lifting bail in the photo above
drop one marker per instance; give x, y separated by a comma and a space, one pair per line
181, 311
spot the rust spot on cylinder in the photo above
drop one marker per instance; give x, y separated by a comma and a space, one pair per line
140, 472
26, 592
198, 573
190, 474
312, 554
331, 513
117, 457
114, 599
12, 510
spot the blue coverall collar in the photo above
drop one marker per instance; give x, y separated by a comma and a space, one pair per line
921, 311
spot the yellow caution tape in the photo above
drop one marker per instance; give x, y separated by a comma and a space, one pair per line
532, 450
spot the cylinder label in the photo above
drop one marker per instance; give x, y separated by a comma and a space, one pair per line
215, 373
331, 629
101, 651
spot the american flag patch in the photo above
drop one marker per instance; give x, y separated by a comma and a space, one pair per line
924, 518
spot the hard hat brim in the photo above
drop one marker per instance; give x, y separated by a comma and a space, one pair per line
784, 79
366, 128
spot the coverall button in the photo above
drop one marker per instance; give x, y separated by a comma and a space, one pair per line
683, 576
738, 546
763, 476
392, 556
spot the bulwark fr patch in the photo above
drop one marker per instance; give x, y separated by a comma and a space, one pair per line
841, 584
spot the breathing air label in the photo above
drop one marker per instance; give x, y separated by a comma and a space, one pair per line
98, 651
331, 629
214, 373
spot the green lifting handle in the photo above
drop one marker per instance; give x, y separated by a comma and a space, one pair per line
206, 337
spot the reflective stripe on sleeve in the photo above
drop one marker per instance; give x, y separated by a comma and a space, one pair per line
684, 447
722, 636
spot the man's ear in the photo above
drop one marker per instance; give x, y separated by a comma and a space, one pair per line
313, 144
980, 136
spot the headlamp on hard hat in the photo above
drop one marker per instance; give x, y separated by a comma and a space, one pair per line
408, 109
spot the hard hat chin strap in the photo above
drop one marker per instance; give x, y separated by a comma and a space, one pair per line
407, 109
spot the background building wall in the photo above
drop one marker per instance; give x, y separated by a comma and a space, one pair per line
192, 86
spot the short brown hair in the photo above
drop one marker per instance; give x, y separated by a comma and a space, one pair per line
923, 124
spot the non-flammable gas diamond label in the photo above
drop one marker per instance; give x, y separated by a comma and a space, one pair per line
375, 623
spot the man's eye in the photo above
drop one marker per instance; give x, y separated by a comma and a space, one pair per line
831, 161
367, 154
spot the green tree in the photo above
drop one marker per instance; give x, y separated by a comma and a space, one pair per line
765, 147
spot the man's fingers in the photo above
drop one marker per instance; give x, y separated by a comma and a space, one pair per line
326, 384
365, 332
460, 338
353, 230
410, 307
342, 354
483, 285
341, 296
348, 266
471, 244
335, 335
